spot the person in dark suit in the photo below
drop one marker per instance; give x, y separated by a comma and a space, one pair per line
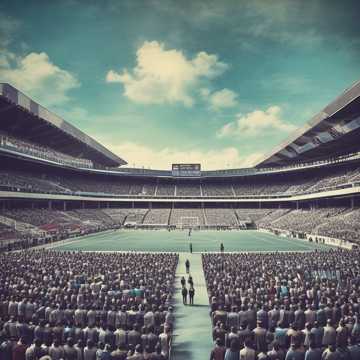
191, 295
184, 293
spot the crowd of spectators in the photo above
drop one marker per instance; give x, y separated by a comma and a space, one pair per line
252, 215
157, 217
268, 219
165, 189
307, 220
221, 217
188, 189
345, 225
16, 180
86, 305
11, 180
334, 222
285, 305
42, 152
217, 189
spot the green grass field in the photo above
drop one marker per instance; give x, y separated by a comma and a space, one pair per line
178, 241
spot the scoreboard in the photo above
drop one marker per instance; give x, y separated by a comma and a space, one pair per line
186, 170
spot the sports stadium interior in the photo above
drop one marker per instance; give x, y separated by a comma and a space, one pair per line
64, 195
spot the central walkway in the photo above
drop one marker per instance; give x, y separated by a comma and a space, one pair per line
192, 337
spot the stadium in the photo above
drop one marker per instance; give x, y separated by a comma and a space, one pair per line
101, 260
306, 188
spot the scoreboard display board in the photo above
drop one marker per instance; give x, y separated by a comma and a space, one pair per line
186, 170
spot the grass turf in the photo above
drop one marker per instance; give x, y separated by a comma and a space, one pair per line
178, 241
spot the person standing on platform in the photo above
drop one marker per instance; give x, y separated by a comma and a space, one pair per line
187, 265
184, 293
191, 295
190, 248
183, 282
221, 247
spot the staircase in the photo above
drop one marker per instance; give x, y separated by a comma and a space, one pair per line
20, 226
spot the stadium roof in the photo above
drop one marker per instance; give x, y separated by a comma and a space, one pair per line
21, 116
332, 132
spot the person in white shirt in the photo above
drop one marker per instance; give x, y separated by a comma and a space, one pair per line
120, 337
164, 339
149, 319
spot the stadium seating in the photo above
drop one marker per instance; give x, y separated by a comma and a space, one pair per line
221, 217
42, 152
305, 221
217, 189
7, 232
17, 180
251, 215
184, 189
157, 217
185, 216
165, 189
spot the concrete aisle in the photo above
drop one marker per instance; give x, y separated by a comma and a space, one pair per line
192, 335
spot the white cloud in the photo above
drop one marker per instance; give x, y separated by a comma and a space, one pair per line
224, 98
166, 76
113, 77
139, 155
255, 122
37, 76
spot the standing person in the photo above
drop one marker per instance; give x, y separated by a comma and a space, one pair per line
190, 281
191, 294
221, 247
18, 351
183, 281
313, 353
184, 293
187, 266
247, 353
190, 248
233, 352
218, 353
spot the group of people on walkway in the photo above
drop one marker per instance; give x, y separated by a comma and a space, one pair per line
185, 292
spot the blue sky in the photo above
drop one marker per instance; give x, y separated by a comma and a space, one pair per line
215, 82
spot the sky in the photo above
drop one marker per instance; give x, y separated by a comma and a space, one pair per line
160, 82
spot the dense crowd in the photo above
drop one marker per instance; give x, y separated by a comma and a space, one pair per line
307, 220
221, 217
86, 306
291, 306
123, 186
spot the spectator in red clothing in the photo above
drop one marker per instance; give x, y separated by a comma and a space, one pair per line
19, 350
218, 353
